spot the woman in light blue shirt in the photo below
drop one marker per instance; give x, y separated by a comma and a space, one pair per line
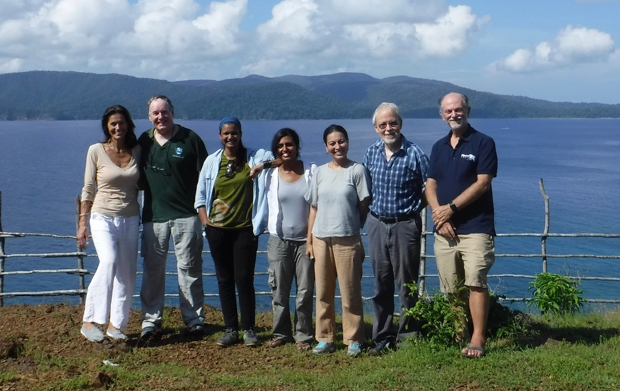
232, 208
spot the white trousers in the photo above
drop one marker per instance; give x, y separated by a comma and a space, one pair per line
111, 290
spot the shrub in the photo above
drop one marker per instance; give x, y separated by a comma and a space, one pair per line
556, 294
506, 323
443, 317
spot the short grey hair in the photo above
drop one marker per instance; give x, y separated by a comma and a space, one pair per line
464, 100
386, 105
162, 97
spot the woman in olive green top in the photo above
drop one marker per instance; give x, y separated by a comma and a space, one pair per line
233, 211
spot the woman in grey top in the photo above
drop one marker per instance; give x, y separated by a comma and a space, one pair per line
287, 223
339, 198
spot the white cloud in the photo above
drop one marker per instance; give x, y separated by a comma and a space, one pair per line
141, 38
451, 34
262, 67
393, 11
572, 45
356, 31
17, 9
10, 65
222, 24
380, 40
295, 27
173, 27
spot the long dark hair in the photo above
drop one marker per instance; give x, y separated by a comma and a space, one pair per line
334, 128
130, 138
280, 134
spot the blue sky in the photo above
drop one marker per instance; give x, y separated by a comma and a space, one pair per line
549, 49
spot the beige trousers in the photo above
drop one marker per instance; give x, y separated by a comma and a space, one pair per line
341, 258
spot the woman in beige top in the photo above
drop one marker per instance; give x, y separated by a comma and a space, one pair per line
110, 197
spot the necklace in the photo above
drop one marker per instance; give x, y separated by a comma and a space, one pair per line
111, 147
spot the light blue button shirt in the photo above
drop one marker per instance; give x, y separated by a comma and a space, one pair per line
208, 175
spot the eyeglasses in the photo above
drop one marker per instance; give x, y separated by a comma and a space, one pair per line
230, 169
385, 125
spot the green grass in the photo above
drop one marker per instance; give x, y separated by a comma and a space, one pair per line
576, 352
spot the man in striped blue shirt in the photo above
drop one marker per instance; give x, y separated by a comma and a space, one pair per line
398, 170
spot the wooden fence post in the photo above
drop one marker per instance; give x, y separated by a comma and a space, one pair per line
1, 258
543, 239
79, 250
422, 286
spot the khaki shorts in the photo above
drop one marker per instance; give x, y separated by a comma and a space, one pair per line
464, 262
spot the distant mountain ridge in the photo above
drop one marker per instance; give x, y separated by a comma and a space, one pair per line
40, 95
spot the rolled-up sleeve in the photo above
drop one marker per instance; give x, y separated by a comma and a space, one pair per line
201, 187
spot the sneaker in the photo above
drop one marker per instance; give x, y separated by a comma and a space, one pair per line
149, 332
249, 338
116, 335
197, 330
354, 350
382, 347
92, 334
324, 347
229, 338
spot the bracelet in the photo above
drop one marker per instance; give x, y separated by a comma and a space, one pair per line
453, 207
84, 214
267, 164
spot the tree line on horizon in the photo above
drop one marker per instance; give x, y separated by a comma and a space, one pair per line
48, 95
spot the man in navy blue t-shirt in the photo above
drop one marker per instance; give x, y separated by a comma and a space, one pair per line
459, 192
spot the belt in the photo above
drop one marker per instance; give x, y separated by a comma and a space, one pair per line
393, 220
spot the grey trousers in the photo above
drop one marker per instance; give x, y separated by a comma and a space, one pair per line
288, 261
187, 238
395, 253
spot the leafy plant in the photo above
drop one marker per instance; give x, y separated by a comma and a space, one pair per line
444, 317
556, 294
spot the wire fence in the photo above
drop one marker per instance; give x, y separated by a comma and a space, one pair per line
81, 272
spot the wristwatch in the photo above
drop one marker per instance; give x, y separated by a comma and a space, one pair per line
267, 164
453, 207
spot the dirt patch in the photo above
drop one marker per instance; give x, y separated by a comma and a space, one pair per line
41, 346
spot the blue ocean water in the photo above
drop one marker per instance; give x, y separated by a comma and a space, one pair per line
42, 164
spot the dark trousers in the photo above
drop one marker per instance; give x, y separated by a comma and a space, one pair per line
395, 253
234, 255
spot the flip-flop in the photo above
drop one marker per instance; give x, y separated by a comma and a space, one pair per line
475, 348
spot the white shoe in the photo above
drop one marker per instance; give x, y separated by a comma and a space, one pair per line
93, 334
116, 334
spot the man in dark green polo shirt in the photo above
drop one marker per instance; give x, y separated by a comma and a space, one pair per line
172, 157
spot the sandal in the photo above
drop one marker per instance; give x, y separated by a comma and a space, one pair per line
276, 341
478, 351
302, 346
